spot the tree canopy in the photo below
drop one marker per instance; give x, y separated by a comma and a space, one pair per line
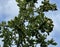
28, 29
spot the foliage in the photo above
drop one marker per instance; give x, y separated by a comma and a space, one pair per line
28, 29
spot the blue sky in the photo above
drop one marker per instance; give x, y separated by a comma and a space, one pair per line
9, 9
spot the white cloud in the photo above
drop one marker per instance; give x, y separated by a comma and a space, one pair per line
39, 3
3, 2
9, 10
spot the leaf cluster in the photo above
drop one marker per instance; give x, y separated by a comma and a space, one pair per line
35, 31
